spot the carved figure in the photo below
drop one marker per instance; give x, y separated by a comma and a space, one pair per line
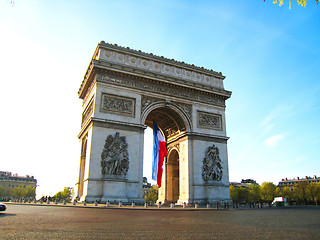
212, 168
115, 157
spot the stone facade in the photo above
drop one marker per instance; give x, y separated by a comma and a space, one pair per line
10, 181
123, 91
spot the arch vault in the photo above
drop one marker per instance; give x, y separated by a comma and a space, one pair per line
123, 91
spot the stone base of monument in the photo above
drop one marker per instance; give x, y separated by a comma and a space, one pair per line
114, 190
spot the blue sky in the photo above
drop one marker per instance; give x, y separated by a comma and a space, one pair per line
270, 56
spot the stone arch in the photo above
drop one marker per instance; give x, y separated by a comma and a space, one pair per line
171, 119
174, 123
123, 90
172, 176
82, 165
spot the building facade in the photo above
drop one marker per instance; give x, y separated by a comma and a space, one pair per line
291, 182
9, 181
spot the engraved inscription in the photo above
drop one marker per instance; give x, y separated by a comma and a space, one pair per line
118, 105
209, 120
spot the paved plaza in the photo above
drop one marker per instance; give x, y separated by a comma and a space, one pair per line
74, 222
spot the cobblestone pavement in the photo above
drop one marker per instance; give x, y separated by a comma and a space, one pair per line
69, 222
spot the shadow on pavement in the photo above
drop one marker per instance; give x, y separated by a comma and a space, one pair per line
6, 215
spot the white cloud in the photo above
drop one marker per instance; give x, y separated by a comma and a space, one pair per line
274, 140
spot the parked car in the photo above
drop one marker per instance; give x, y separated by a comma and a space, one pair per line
3, 207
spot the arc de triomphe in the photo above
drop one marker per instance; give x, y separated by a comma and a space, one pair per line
123, 91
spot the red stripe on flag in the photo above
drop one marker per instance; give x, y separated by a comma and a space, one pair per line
162, 155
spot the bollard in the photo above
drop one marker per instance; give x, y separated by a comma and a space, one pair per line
108, 204
159, 204
133, 204
196, 205
145, 205
172, 205
208, 205
120, 204
184, 205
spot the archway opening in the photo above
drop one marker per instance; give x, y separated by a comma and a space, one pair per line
172, 125
82, 166
172, 176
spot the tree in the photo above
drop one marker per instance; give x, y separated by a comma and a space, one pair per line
285, 192
152, 195
64, 195
300, 191
253, 193
300, 2
313, 190
2, 192
238, 194
267, 191
18, 192
30, 192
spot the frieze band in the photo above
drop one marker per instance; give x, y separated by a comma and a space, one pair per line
163, 88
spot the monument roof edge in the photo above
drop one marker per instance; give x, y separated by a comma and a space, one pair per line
161, 58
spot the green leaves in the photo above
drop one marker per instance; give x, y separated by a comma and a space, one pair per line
300, 2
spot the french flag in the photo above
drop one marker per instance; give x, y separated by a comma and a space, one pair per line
159, 153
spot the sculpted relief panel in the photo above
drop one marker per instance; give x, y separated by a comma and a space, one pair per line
118, 105
212, 168
115, 157
209, 120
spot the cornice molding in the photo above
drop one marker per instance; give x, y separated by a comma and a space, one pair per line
128, 61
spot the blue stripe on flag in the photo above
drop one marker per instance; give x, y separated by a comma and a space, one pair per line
155, 152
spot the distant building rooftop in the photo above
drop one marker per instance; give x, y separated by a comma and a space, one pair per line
7, 176
291, 182
244, 183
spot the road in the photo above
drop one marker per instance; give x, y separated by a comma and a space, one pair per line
61, 222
